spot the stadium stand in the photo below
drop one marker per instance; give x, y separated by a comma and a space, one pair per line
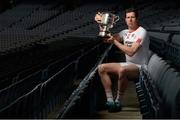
49, 55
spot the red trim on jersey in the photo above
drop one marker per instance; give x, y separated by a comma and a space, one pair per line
138, 40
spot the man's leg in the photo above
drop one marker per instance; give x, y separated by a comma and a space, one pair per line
104, 70
122, 85
128, 71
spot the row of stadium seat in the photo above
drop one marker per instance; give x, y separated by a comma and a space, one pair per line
158, 90
166, 45
47, 87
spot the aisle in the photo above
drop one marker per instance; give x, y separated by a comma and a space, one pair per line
130, 108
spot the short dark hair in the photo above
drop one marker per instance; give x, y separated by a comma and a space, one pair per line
131, 10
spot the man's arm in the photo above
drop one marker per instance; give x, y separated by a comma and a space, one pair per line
130, 51
117, 37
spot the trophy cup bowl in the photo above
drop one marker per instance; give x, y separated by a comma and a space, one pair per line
108, 20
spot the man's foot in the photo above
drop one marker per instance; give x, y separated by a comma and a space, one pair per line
113, 106
110, 106
118, 106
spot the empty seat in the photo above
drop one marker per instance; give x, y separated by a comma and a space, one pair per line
159, 35
173, 49
158, 42
156, 68
173, 28
176, 39
170, 88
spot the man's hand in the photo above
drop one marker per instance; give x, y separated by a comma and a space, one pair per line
109, 39
98, 17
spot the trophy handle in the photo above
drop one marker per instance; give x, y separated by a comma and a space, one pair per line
100, 13
116, 19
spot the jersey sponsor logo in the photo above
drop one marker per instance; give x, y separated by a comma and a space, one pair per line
128, 43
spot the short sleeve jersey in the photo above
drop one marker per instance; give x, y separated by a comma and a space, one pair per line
140, 36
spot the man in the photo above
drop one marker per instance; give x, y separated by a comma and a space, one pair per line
135, 46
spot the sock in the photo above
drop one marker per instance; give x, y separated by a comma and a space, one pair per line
109, 96
119, 96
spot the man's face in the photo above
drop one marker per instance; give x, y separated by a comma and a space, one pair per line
131, 20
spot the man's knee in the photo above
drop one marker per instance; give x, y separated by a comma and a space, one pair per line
122, 72
101, 68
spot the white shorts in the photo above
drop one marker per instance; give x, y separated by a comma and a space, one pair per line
128, 63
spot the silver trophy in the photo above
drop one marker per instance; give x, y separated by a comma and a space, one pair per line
108, 20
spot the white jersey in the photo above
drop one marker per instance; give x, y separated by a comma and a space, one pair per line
139, 35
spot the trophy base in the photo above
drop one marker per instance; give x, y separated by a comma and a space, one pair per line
104, 34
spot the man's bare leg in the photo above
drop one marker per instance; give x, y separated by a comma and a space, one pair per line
130, 71
104, 71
